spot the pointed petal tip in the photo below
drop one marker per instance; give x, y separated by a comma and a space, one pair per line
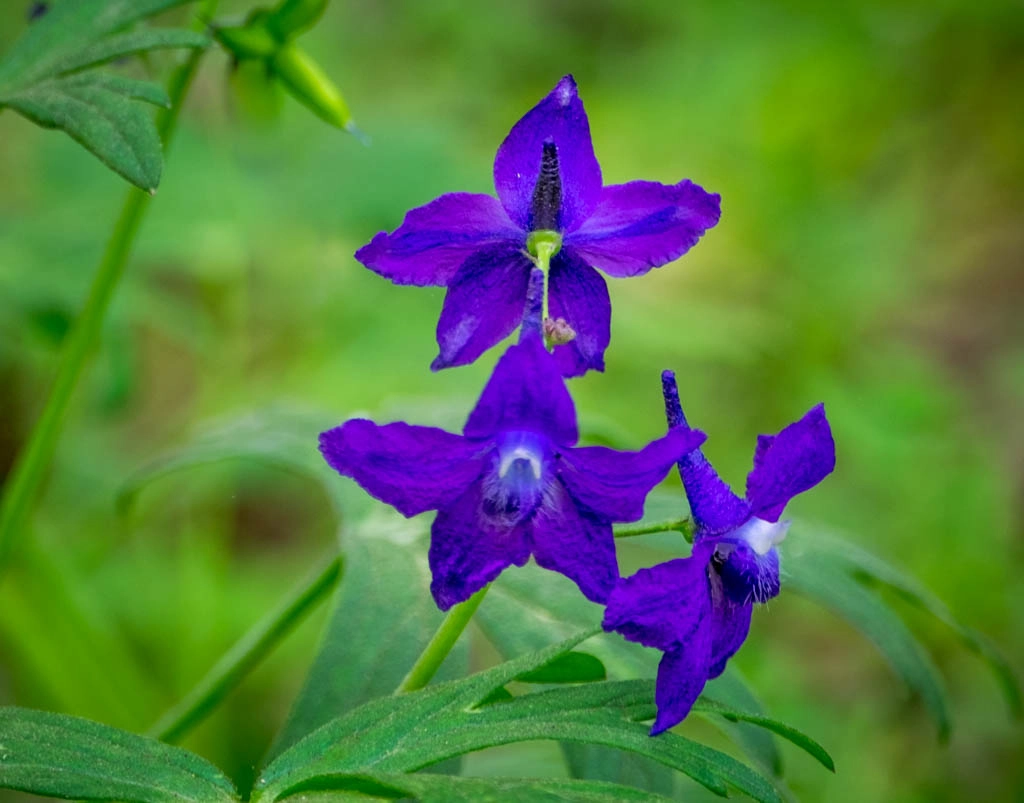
566, 89
673, 407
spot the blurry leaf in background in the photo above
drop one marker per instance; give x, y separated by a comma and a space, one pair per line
382, 619
67, 757
47, 77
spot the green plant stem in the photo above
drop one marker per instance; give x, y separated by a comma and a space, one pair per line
441, 644
683, 525
246, 654
26, 477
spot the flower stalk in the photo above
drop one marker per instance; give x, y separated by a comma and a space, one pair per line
23, 485
441, 644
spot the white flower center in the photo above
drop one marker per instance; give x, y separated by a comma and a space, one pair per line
520, 453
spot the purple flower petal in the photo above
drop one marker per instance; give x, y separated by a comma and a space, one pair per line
434, 240
730, 623
796, 459
558, 119
713, 505
663, 606
412, 468
468, 549
614, 484
484, 303
643, 225
747, 576
578, 293
525, 392
572, 542
682, 674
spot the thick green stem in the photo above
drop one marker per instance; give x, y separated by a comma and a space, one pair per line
441, 644
246, 654
23, 484
683, 525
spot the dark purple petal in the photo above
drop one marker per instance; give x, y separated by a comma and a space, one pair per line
525, 392
575, 543
469, 549
643, 225
682, 674
434, 240
615, 484
558, 119
412, 468
713, 505
578, 293
747, 576
484, 303
787, 464
730, 623
663, 606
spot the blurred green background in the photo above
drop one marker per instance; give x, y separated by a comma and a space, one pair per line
871, 161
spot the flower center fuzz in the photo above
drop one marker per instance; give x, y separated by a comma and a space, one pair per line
547, 192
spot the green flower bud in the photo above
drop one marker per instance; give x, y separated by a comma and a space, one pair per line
304, 79
251, 40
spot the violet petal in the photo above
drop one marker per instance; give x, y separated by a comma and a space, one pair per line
787, 464
525, 391
749, 577
559, 119
663, 606
435, 239
579, 294
415, 469
468, 549
575, 543
484, 304
730, 623
615, 484
643, 225
682, 674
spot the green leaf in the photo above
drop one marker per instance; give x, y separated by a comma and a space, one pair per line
383, 606
67, 757
825, 580
874, 569
573, 667
42, 79
408, 732
432, 788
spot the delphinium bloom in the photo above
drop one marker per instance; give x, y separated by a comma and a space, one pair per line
551, 205
697, 609
512, 484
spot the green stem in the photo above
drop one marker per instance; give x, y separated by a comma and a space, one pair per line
22, 486
684, 526
441, 644
246, 654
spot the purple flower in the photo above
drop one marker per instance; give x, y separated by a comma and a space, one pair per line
512, 484
551, 205
697, 609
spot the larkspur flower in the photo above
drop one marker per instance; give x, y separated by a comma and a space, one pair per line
697, 610
512, 484
550, 196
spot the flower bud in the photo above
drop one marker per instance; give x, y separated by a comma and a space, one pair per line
251, 40
304, 79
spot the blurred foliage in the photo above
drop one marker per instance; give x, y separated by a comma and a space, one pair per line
869, 256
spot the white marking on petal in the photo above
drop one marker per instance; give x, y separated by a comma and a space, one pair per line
762, 535
520, 453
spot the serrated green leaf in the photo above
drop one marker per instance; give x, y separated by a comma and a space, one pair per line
120, 133
408, 732
826, 581
41, 78
384, 607
875, 569
573, 667
128, 44
67, 757
432, 788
